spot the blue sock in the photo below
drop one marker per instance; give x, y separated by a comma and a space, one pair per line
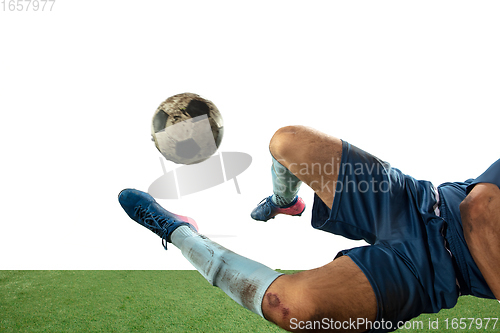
285, 184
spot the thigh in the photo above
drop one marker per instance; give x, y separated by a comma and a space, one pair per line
372, 286
337, 292
404, 282
314, 157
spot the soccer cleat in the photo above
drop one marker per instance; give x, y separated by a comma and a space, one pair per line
267, 209
142, 208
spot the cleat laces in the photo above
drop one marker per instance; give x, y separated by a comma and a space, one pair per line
157, 224
266, 205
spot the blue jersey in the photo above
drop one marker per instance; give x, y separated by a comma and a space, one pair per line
492, 176
408, 261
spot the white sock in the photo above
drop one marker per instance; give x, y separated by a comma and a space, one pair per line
242, 279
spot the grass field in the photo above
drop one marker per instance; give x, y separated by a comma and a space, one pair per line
153, 301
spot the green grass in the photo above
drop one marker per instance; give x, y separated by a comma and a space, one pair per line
147, 301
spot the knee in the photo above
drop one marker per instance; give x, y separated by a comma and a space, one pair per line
284, 139
289, 305
287, 311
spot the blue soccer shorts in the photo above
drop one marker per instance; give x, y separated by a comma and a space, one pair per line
407, 263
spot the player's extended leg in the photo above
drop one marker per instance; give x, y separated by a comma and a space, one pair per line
300, 154
244, 280
333, 294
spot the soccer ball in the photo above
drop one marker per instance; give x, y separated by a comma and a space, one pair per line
187, 128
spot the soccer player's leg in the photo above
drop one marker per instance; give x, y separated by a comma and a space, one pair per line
337, 291
244, 280
337, 296
300, 154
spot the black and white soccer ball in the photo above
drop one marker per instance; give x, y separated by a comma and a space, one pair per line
187, 128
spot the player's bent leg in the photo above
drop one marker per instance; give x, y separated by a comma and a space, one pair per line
325, 299
312, 156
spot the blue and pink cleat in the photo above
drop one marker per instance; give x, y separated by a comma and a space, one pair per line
142, 208
267, 209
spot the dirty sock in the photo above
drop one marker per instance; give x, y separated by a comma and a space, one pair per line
242, 279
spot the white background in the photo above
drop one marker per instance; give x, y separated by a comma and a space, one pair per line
415, 83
